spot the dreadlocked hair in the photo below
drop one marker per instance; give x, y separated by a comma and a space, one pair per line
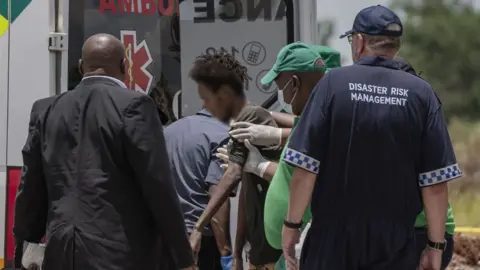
219, 69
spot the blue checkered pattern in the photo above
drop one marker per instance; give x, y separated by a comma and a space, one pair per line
300, 160
439, 176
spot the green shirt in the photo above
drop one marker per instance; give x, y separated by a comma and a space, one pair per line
276, 202
421, 221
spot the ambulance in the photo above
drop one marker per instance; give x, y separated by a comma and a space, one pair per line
41, 40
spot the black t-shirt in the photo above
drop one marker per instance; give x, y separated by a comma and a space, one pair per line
255, 189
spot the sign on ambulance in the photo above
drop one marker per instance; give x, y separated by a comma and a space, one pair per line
138, 57
252, 31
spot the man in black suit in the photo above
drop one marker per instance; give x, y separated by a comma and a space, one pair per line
96, 176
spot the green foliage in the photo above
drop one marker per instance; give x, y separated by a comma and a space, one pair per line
465, 192
442, 39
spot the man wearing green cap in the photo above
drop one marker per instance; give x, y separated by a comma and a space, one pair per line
296, 71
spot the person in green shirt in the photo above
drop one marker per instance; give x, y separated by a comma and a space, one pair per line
421, 237
304, 66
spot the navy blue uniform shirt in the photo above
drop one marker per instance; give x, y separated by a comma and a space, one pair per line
191, 145
373, 134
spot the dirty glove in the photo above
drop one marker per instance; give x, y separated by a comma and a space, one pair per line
256, 134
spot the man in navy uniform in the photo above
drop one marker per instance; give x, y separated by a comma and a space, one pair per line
371, 139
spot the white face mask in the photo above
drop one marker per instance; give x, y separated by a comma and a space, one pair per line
286, 106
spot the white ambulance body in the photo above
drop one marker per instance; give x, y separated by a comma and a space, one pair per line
40, 44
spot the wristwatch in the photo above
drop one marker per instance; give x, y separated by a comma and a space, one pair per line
292, 225
437, 245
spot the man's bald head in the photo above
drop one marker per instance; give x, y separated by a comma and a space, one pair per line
103, 54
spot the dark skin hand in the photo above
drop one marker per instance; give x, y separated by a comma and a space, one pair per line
221, 226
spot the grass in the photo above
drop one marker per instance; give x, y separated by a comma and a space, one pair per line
465, 192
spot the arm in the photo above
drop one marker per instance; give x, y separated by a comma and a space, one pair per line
221, 220
301, 190
285, 133
231, 178
305, 150
31, 204
221, 227
435, 201
240, 238
237, 158
146, 151
270, 171
284, 120
438, 166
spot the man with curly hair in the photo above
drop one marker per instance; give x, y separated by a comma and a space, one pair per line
220, 79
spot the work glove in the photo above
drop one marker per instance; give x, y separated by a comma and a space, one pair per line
255, 163
256, 134
226, 262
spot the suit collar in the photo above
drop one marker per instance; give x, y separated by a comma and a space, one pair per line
99, 78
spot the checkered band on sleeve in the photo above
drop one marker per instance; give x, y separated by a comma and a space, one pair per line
300, 160
439, 176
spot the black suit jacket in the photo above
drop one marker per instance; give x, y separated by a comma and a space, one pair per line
96, 178
38, 107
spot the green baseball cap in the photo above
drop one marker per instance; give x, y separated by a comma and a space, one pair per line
330, 56
297, 57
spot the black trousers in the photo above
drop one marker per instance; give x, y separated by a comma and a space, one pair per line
209, 256
421, 239
359, 244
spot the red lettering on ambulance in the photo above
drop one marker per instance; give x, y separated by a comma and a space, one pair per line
148, 7
166, 11
107, 5
128, 6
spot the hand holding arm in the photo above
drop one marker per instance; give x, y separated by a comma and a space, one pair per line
256, 134
255, 164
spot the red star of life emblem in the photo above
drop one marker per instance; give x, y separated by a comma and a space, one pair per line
138, 57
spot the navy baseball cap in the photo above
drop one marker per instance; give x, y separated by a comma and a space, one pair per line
376, 21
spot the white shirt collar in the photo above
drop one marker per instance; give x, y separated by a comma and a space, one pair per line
117, 81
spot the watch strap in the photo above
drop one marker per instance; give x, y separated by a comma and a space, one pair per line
437, 245
292, 225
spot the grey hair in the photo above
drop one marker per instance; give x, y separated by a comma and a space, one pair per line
385, 43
